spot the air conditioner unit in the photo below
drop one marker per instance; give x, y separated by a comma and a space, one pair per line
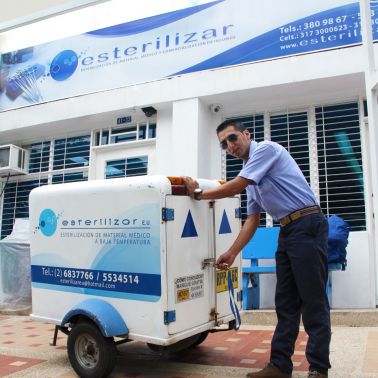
13, 160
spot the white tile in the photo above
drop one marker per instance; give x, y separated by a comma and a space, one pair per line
17, 363
247, 361
257, 350
221, 348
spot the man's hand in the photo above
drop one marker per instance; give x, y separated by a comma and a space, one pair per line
226, 260
190, 184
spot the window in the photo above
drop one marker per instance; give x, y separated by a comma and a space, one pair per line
69, 177
341, 183
255, 125
130, 133
70, 163
339, 159
71, 152
39, 157
16, 202
290, 130
136, 166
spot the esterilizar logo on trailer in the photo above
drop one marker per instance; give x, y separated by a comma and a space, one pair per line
48, 222
104, 222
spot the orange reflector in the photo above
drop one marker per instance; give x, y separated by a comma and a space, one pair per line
176, 180
179, 190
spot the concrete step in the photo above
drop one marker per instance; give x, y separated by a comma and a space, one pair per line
15, 309
347, 318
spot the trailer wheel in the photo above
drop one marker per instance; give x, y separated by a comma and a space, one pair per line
202, 337
90, 353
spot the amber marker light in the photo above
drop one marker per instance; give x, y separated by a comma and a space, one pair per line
178, 185
176, 180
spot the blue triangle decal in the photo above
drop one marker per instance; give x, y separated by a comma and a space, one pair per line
189, 228
225, 225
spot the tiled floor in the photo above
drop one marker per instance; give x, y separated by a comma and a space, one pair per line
27, 334
25, 351
12, 364
247, 348
371, 355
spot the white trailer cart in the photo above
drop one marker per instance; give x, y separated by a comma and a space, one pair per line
130, 259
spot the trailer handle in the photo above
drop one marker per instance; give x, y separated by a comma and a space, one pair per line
208, 263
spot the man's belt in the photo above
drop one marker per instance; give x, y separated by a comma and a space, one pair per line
299, 214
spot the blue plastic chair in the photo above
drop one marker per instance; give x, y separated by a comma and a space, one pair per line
332, 267
262, 246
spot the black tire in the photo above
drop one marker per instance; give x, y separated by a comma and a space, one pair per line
202, 337
90, 353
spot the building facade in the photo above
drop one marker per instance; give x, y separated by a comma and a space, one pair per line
158, 113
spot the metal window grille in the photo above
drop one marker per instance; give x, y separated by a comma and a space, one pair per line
70, 157
130, 133
39, 157
66, 177
337, 163
136, 166
255, 125
71, 152
290, 130
341, 183
16, 202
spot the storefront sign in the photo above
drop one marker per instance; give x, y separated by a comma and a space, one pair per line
210, 35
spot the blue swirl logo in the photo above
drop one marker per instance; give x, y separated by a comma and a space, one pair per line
48, 222
64, 65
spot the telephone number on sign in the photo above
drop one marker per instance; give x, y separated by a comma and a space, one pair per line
131, 282
324, 22
97, 276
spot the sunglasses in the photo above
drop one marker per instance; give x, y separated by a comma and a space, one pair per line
231, 138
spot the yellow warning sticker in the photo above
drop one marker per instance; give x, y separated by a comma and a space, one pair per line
189, 287
183, 295
222, 279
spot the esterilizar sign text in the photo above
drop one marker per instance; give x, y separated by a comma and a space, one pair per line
211, 34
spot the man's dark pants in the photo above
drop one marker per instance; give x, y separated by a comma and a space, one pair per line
302, 272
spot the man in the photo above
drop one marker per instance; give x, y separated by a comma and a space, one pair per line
275, 184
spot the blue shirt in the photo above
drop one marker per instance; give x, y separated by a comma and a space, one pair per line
278, 187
